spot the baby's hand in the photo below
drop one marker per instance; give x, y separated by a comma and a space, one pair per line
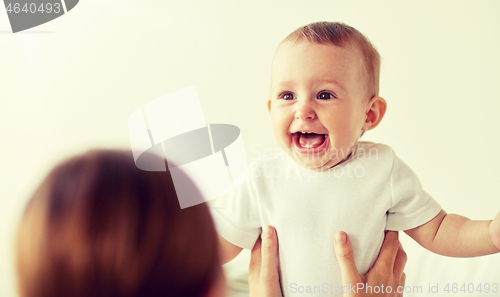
495, 231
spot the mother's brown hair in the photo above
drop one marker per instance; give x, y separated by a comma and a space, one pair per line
98, 226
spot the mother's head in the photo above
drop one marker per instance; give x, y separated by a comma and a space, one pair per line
98, 226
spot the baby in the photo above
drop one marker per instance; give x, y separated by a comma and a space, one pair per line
324, 96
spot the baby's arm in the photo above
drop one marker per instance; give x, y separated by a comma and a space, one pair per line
229, 250
456, 236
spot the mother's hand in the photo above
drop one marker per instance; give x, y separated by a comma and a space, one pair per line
263, 277
387, 272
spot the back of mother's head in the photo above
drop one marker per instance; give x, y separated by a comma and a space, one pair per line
98, 226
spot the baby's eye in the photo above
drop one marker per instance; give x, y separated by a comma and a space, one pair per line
287, 96
325, 96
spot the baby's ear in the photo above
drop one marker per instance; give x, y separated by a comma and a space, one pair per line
269, 105
376, 108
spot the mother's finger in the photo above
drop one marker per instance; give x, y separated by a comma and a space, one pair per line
345, 258
389, 250
400, 262
269, 254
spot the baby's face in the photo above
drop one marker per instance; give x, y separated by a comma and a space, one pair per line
317, 104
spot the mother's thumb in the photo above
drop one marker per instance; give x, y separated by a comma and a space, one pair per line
345, 257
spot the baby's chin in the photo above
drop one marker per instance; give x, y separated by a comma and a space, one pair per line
314, 162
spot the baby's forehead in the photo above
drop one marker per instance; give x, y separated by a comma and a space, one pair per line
348, 56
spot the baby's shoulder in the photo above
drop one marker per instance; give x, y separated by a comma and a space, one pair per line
366, 146
382, 153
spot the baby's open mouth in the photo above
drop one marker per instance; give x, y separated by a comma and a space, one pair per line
309, 140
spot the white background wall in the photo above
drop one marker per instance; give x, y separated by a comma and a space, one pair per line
71, 84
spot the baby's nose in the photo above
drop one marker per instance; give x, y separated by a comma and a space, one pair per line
304, 112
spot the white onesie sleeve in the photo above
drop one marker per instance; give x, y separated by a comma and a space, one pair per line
236, 215
411, 205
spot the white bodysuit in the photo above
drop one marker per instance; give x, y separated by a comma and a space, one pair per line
370, 192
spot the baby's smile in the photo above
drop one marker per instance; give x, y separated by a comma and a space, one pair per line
310, 142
